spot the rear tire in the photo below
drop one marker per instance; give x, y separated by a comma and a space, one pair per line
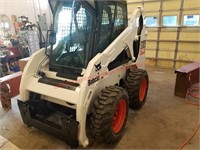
109, 115
137, 86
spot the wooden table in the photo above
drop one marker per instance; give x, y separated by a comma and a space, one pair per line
9, 88
186, 77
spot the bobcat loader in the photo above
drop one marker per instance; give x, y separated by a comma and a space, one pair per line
81, 86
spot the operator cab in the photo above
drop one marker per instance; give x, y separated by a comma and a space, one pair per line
83, 29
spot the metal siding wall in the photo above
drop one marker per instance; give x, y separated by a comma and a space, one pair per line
170, 47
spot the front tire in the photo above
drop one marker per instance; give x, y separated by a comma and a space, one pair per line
109, 115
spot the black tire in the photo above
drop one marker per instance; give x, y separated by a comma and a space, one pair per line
104, 125
136, 88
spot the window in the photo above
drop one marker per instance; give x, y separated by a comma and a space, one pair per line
151, 21
169, 20
113, 22
121, 16
108, 14
106, 24
64, 24
105, 18
191, 20
73, 33
120, 21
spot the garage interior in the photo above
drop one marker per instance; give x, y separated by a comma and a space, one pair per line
170, 117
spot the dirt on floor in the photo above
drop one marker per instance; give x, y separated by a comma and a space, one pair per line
165, 121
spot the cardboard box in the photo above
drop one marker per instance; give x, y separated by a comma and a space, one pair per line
22, 63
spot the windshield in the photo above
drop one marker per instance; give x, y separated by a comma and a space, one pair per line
73, 31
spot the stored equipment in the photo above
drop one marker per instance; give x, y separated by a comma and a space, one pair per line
81, 86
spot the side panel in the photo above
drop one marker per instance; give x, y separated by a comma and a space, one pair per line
30, 69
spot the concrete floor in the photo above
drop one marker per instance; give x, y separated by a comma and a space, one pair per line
7, 145
165, 122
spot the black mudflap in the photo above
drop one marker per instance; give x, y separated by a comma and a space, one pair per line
66, 131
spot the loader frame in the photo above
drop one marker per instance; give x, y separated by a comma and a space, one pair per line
44, 91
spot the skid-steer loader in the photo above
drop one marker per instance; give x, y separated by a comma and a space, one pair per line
81, 86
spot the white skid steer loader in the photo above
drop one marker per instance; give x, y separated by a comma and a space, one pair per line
81, 86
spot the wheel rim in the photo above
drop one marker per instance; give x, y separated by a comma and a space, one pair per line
119, 116
143, 89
